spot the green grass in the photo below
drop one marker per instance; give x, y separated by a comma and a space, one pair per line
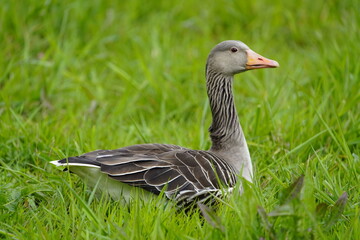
83, 75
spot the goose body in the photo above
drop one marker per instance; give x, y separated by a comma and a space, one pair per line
184, 175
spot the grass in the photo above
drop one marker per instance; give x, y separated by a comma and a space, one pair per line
83, 75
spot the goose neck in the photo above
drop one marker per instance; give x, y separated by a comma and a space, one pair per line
225, 130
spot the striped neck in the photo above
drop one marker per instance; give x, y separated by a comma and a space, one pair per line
225, 130
226, 134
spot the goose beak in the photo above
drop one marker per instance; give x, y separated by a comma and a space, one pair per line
256, 61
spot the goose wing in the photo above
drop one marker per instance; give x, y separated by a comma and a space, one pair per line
181, 173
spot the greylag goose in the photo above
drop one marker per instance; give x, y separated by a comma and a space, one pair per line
184, 175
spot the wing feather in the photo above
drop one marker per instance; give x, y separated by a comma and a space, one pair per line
122, 169
160, 176
182, 173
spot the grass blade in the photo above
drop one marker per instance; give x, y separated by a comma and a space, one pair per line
337, 210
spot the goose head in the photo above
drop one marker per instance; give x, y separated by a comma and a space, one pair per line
232, 57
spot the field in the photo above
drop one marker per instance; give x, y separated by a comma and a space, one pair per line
77, 76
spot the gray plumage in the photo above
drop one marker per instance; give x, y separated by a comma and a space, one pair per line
183, 174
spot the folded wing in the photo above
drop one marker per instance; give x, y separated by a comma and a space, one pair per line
180, 172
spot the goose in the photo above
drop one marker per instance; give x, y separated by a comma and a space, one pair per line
183, 175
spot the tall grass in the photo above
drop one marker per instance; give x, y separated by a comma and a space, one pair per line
83, 75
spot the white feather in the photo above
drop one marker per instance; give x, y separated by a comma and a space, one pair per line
102, 156
58, 164
92, 176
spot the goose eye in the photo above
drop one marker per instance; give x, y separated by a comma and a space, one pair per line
233, 49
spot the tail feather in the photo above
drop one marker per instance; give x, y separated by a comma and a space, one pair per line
76, 161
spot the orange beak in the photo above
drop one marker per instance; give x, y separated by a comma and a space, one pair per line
256, 61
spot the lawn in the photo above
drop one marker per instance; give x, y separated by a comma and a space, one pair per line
77, 76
